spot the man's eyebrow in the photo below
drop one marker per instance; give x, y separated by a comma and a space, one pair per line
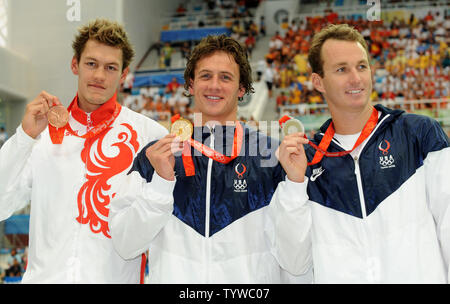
220, 72
109, 63
346, 63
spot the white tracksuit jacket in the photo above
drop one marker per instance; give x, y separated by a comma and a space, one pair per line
70, 187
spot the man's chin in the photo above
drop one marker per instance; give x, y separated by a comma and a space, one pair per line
98, 99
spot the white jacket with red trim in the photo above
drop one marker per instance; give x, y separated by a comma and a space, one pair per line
70, 187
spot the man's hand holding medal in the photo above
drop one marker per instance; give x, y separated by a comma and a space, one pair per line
161, 154
44, 109
291, 153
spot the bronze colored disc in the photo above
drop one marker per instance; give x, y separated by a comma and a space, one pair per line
182, 128
58, 116
293, 126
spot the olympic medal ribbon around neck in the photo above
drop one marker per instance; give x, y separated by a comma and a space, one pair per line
188, 163
321, 150
57, 135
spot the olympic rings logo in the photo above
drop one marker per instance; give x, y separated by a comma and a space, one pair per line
240, 184
386, 161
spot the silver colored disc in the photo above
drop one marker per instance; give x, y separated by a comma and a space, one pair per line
293, 126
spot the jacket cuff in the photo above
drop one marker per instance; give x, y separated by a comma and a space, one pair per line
295, 186
24, 139
293, 195
159, 185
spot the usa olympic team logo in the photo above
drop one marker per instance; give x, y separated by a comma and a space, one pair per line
240, 184
387, 160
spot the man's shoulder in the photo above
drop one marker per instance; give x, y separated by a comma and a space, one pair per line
421, 129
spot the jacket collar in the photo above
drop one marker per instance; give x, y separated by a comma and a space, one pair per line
102, 113
382, 109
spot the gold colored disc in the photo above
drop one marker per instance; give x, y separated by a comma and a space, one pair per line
182, 128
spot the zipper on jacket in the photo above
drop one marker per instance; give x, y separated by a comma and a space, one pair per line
77, 243
207, 246
360, 187
208, 187
88, 122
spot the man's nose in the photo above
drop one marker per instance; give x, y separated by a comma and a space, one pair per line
99, 74
355, 76
214, 83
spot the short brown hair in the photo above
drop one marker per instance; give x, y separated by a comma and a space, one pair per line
104, 31
212, 44
332, 31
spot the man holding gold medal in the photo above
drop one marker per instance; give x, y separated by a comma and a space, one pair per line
210, 201
69, 163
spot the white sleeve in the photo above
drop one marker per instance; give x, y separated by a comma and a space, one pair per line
437, 167
139, 212
15, 173
288, 227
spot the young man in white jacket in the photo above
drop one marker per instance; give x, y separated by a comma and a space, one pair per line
208, 216
71, 173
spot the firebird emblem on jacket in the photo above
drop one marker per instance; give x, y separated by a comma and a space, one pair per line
95, 195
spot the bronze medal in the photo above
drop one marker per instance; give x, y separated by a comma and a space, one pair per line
293, 126
182, 128
58, 116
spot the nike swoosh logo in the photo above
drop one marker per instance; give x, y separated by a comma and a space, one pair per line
316, 175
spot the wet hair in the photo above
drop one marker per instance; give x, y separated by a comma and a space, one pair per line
332, 31
221, 43
107, 32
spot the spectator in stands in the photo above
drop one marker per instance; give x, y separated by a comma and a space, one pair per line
250, 42
24, 260
128, 83
166, 55
282, 100
181, 10
269, 76
172, 86
239, 248
391, 163
14, 255
237, 30
260, 68
446, 60
185, 50
15, 270
70, 180
262, 26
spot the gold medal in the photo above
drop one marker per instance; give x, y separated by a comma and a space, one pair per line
58, 116
293, 126
182, 128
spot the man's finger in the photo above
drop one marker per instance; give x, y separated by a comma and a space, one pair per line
163, 141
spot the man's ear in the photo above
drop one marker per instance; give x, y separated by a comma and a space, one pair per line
191, 89
74, 66
124, 74
317, 82
241, 92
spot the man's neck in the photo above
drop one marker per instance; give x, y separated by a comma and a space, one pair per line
202, 120
86, 106
347, 123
